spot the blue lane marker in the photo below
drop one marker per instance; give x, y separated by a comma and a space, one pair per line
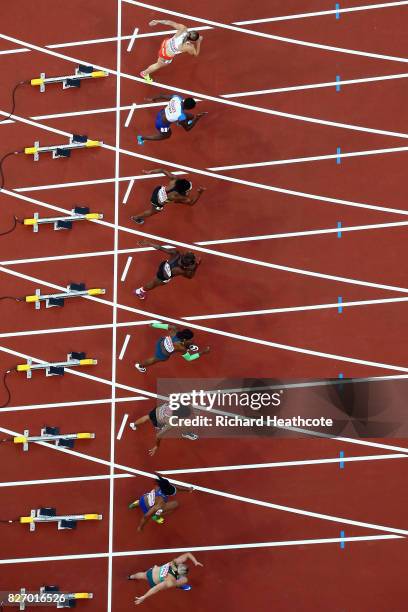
342, 543
340, 304
338, 229
338, 158
338, 87
341, 462
337, 11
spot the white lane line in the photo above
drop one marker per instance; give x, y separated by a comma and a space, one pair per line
124, 346
320, 198
67, 404
250, 313
12, 262
231, 496
122, 426
172, 551
128, 190
261, 92
265, 35
29, 483
115, 307
63, 330
132, 40
234, 336
202, 96
299, 160
130, 114
280, 464
126, 269
257, 341
256, 262
94, 111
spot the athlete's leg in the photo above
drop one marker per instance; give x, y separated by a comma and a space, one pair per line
170, 507
149, 212
155, 67
138, 576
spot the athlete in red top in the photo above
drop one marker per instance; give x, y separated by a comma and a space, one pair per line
183, 41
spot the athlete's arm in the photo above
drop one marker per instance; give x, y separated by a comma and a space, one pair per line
192, 49
188, 124
186, 557
172, 24
152, 511
159, 171
159, 99
158, 247
156, 589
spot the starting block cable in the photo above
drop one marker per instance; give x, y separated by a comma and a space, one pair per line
2, 160
73, 360
13, 99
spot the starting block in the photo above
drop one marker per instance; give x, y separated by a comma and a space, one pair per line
82, 72
79, 213
52, 434
46, 596
76, 141
49, 515
56, 368
57, 299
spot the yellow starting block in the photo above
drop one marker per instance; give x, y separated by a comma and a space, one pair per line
49, 515
76, 141
57, 299
52, 434
82, 72
56, 368
79, 213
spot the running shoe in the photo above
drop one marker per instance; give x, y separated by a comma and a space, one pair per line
138, 220
158, 519
141, 294
140, 368
133, 504
185, 587
146, 77
133, 426
140, 140
189, 435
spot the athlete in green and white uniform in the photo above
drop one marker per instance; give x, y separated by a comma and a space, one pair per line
167, 576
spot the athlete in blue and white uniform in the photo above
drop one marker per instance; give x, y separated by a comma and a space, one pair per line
173, 113
155, 504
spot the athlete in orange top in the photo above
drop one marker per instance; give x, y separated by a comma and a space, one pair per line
183, 41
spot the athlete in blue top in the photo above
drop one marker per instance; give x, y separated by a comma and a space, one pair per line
173, 113
155, 504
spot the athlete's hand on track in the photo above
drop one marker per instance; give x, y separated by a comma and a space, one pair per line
202, 114
139, 600
201, 189
153, 22
148, 99
198, 563
152, 451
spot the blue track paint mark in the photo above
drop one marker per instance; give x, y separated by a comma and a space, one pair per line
340, 304
338, 158
341, 462
337, 11
338, 229
341, 375
338, 86
342, 543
